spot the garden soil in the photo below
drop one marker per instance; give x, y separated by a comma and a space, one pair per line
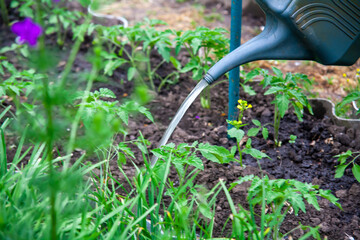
310, 159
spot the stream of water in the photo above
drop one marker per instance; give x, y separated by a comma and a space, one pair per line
179, 115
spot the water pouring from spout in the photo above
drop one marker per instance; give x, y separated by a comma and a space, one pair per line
180, 113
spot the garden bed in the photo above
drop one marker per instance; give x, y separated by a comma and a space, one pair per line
310, 159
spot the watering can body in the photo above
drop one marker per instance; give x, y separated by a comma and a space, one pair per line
326, 31
329, 29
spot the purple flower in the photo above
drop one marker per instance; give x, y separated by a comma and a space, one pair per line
197, 117
27, 31
56, 1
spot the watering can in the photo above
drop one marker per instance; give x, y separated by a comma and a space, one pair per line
326, 31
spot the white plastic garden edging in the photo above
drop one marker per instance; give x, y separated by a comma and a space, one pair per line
100, 15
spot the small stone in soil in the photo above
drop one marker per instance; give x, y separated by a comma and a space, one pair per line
325, 228
223, 141
355, 190
266, 113
306, 164
350, 133
315, 221
343, 139
341, 193
297, 159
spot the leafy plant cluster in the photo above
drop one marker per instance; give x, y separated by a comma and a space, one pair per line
133, 47
57, 19
286, 92
276, 199
351, 101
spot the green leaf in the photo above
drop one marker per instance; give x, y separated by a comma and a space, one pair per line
2, 91
216, 154
265, 133
175, 62
146, 112
283, 104
111, 65
311, 198
15, 89
253, 73
298, 108
205, 210
195, 45
277, 72
253, 132
195, 162
24, 51
354, 96
356, 172
273, 90
124, 116
131, 73
188, 67
297, 203
142, 147
248, 143
164, 52
340, 169
124, 148
141, 58
121, 159
50, 30
255, 153
236, 133
105, 92
248, 89
244, 179
327, 195
256, 122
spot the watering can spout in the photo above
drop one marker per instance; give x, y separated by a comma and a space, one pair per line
275, 42
324, 31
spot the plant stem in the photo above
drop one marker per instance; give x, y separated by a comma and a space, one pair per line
49, 146
4, 12
276, 125
73, 54
60, 41
47, 102
150, 74
240, 153
75, 123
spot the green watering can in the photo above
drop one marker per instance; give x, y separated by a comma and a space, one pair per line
326, 31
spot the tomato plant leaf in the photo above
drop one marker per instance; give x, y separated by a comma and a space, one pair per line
265, 133
356, 171
340, 169
236, 133
252, 132
255, 153
131, 73
283, 104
